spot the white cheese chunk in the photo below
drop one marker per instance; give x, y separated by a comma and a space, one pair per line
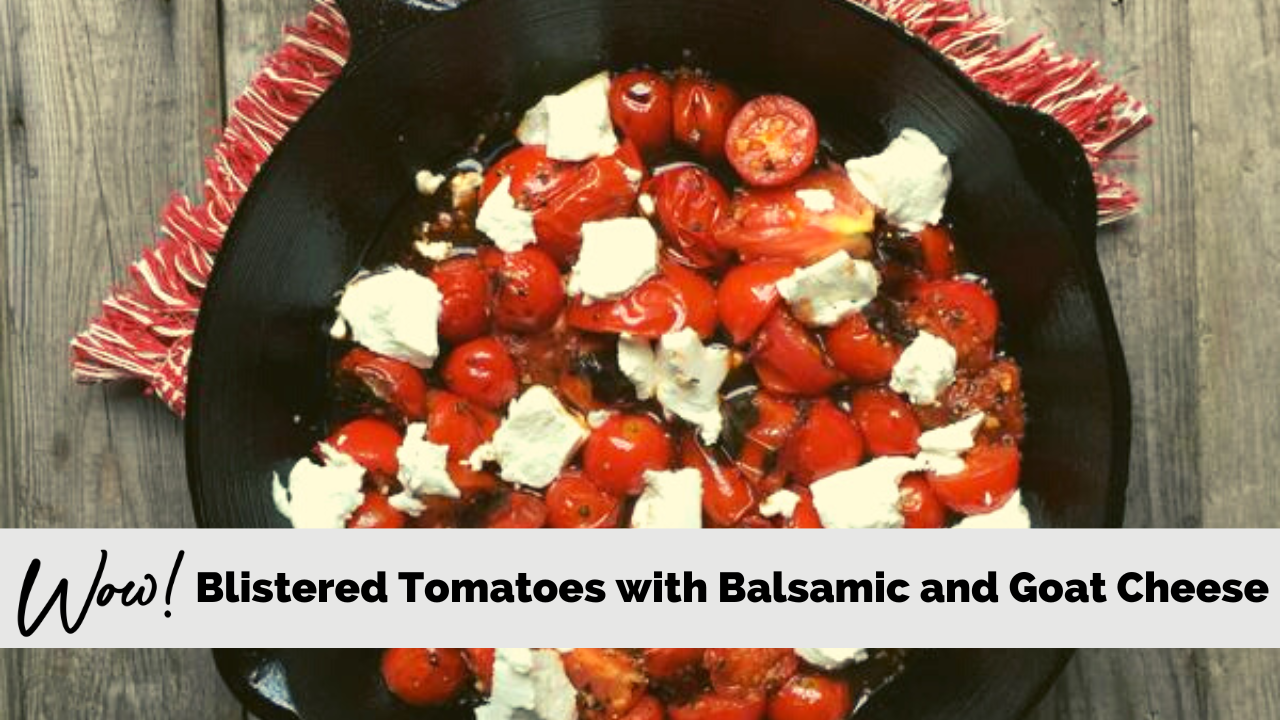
638, 363
529, 684
782, 502
941, 448
597, 418
832, 658
535, 440
427, 182
817, 199
827, 292
689, 378
1010, 516
616, 256
671, 499
909, 181
393, 312
320, 495
509, 227
864, 497
926, 367
433, 250
574, 125
423, 471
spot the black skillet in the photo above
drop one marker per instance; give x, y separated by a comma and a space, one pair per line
417, 88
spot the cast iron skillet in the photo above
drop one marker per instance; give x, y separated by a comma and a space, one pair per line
419, 85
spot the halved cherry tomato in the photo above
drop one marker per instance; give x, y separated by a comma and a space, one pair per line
518, 511
640, 105
392, 381
609, 679
887, 422
939, 252
860, 352
805, 516
370, 442
775, 222
789, 360
726, 495
480, 660
688, 202
961, 312
825, 443
482, 371
919, 504
772, 140
811, 697
750, 671
465, 298
989, 478
619, 452
714, 706
530, 291
748, 294
648, 708
676, 298
424, 676
672, 665
376, 513
702, 109
573, 501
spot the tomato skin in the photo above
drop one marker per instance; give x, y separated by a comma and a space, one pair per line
714, 706
640, 105
604, 187
920, 506
465, 298
811, 697
530, 291
776, 418
458, 424
535, 178
376, 513
749, 671
748, 294
395, 382
609, 679
517, 511
887, 422
961, 312
617, 454
648, 708
772, 140
789, 360
806, 515
674, 299
481, 660
860, 352
573, 501
670, 665
726, 495
424, 676
483, 372
688, 203
702, 109
938, 251
989, 479
370, 442
825, 443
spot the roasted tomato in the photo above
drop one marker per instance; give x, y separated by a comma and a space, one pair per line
673, 666
462, 426
480, 660
748, 294
789, 360
714, 706
726, 495
376, 513
573, 501
990, 478
887, 422
805, 516
609, 679
772, 140
995, 390
517, 511
465, 298
530, 290
619, 452
938, 252
370, 442
961, 312
687, 203
424, 676
640, 105
676, 298
825, 443
702, 109
811, 697
483, 372
818, 215
750, 671
392, 381
775, 419
920, 505
860, 352
648, 708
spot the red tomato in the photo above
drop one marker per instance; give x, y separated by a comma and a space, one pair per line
860, 352
726, 495
961, 312
530, 291
458, 424
825, 443
995, 390
517, 511
392, 381
939, 252
375, 513
609, 679
806, 515
789, 360
640, 105
370, 442
575, 502
772, 140
483, 372
674, 299
535, 178
887, 422
750, 671
702, 109
480, 660
776, 419
748, 294
648, 708
920, 505
989, 478
688, 202
465, 298
672, 664
775, 222
811, 697
618, 453
424, 676
714, 706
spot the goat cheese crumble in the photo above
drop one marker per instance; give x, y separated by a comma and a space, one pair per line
909, 181
926, 367
617, 255
832, 658
671, 499
1012, 515
574, 125
941, 448
864, 497
529, 684
320, 495
831, 289
817, 200
423, 471
428, 183
509, 227
535, 440
684, 375
782, 502
393, 312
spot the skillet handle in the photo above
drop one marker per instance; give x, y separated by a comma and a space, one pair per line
257, 679
373, 22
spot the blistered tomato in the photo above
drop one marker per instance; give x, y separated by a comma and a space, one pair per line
640, 105
619, 452
424, 676
482, 371
702, 109
772, 140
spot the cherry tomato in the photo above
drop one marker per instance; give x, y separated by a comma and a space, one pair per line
424, 676
701, 111
674, 299
392, 381
370, 442
860, 352
772, 140
517, 511
609, 680
789, 360
535, 178
748, 294
618, 453
919, 504
887, 422
465, 298
776, 418
989, 478
458, 424
605, 187
726, 495
483, 372
939, 252
811, 697
640, 105
961, 312
714, 706
775, 222
376, 513
995, 390
480, 660
825, 443
805, 516
750, 671
530, 291
670, 665
648, 708
575, 502
688, 202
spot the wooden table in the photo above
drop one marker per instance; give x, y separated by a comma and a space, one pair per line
108, 105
